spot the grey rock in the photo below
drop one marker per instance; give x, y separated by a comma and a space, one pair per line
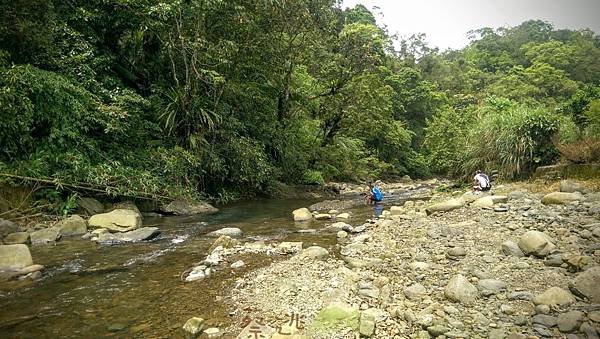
415, 291
590, 331
543, 319
181, 207
7, 227
232, 232
570, 321
456, 252
445, 206
491, 286
520, 295
437, 330
90, 206
586, 284
553, 260
542, 331
510, 248
140, 234
459, 289
16, 238
74, 225
497, 333
542, 309
571, 186
536, 243
119, 220
45, 236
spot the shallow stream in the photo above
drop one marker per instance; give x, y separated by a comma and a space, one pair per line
135, 290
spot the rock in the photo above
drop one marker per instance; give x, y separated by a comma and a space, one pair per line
559, 198
437, 330
590, 331
510, 248
455, 252
212, 332
119, 220
140, 234
90, 206
586, 283
224, 241
367, 324
445, 206
542, 309
302, 214
491, 286
7, 227
554, 296
419, 266
16, 238
327, 205
337, 315
545, 320
232, 232
520, 295
343, 216
238, 264
497, 333
517, 194
198, 272
339, 225
322, 216
182, 207
570, 321
315, 252
459, 289
536, 243
483, 202
14, 257
74, 225
415, 291
194, 326
553, 260
570, 186
45, 236
358, 229
342, 234
290, 247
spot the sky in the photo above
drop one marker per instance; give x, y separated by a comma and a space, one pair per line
446, 22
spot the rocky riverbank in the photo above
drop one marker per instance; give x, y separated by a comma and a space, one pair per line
515, 264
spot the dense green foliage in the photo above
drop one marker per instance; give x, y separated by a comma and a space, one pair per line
225, 98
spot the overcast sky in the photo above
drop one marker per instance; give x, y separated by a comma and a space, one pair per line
446, 22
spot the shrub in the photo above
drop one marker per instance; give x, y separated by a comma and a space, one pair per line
311, 177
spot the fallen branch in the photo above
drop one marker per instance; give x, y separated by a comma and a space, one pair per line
86, 187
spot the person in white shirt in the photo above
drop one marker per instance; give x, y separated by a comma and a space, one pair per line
481, 182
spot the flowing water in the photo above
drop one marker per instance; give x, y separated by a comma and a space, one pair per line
135, 290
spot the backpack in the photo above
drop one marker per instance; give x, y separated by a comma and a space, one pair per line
377, 195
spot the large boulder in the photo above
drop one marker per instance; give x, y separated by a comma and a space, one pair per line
536, 243
182, 207
74, 225
586, 284
459, 289
45, 236
90, 206
17, 238
7, 227
140, 234
302, 214
445, 206
554, 296
14, 257
119, 220
232, 232
559, 198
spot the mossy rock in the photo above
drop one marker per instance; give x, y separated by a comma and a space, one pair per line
337, 315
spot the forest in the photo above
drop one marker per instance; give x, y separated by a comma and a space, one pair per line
224, 100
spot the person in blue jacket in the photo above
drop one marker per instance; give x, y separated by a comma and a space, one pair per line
374, 196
